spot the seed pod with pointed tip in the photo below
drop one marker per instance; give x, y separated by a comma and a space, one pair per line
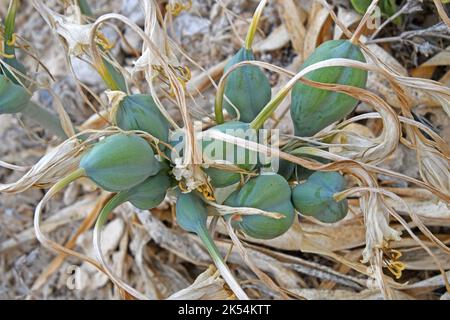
192, 216
139, 112
247, 87
269, 193
218, 150
313, 109
120, 162
315, 197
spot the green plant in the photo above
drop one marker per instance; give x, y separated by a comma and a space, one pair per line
140, 112
119, 162
247, 87
265, 192
192, 216
387, 7
144, 196
14, 94
312, 109
218, 150
315, 197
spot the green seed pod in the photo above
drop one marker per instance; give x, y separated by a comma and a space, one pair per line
139, 112
313, 109
269, 193
120, 162
215, 149
192, 216
151, 192
13, 97
315, 197
247, 87
191, 212
286, 169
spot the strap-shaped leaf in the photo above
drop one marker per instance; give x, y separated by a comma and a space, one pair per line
13, 97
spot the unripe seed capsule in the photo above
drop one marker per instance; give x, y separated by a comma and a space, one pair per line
313, 109
247, 87
120, 162
140, 112
315, 197
269, 193
144, 196
218, 150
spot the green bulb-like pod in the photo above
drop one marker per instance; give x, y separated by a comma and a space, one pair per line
247, 87
313, 109
13, 97
218, 150
315, 197
140, 112
269, 193
192, 216
120, 162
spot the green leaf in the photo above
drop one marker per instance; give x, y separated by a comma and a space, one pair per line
361, 6
13, 97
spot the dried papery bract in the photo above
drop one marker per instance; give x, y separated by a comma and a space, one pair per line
49, 169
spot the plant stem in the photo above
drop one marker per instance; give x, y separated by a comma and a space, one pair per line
113, 203
61, 184
218, 105
204, 235
270, 107
84, 8
44, 118
254, 25
9, 27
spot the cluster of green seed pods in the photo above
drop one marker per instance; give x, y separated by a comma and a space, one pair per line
229, 153
126, 164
